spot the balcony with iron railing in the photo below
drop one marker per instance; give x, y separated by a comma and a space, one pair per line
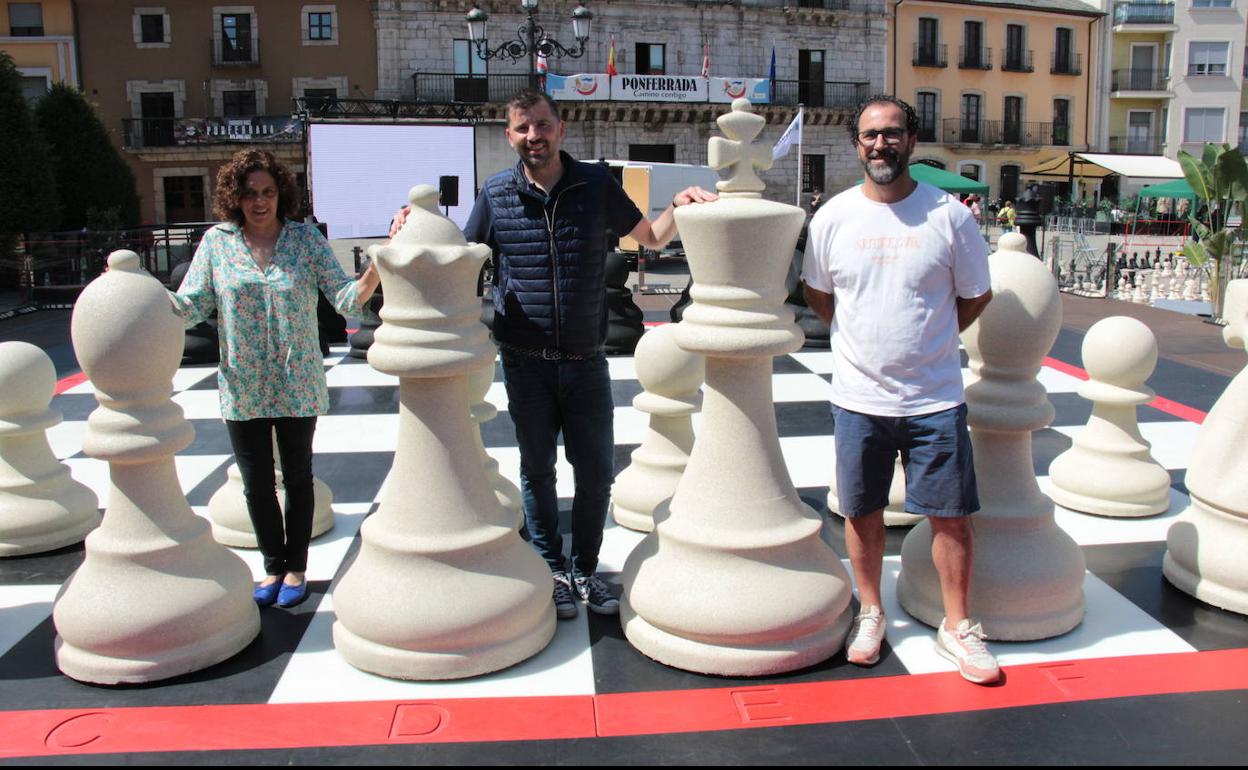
819, 93
999, 132
1140, 144
934, 55
240, 51
974, 57
448, 88
928, 133
1017, 60
1136, 12
148, 133
1140, 80
1070, 64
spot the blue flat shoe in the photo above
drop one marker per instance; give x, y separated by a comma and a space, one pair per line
266, 595
290, 596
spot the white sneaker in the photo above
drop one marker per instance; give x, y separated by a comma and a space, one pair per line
966, 648
866, 636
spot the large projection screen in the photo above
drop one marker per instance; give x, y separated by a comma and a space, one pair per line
360, 173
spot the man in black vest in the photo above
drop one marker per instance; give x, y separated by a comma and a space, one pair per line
546, 220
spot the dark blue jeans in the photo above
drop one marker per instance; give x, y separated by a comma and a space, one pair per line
546, 398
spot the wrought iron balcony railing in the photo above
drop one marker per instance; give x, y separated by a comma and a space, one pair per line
1070, 64
998, 132
1017, 60
936, 55
974, 57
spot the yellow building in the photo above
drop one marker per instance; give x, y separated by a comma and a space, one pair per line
998, 85
40, 38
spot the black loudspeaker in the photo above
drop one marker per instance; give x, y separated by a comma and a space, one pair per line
448, 191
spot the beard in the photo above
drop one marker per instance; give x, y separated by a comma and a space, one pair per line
894, 162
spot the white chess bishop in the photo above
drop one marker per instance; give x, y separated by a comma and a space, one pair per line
443, 586
1208, 543
42, 507
671, 377
155, 596
736, 580
1027, 580
1108, 469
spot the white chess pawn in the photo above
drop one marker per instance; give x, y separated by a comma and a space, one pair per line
1206, 545
737, 580
227, 508
1189, 290
1139, 296
1027, 580
1122, 293
443, 586
42, 507
1108, 470
483, 411
155, 596
671, 377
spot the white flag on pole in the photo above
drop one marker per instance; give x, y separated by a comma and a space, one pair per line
791, 136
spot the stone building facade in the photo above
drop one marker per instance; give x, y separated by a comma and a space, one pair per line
828, 55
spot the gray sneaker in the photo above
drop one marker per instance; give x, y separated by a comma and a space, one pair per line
565, 602
597, 595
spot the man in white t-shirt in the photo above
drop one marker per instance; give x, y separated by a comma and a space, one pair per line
899, 268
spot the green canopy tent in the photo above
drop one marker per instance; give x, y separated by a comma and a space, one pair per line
1175, 188
949, 182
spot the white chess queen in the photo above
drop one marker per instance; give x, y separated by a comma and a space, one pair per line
261, 272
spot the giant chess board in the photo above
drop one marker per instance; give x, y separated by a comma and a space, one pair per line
1141, 637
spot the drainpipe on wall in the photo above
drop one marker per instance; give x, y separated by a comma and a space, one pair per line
896, 22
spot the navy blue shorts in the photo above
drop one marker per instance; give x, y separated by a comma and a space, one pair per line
935, 453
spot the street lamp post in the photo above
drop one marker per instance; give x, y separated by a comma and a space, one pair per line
531, 40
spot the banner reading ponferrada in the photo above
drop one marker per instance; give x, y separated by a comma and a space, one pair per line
655, 88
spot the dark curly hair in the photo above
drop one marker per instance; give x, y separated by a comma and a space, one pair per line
232, 182
912, 117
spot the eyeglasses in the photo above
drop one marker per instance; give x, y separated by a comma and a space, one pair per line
891, 136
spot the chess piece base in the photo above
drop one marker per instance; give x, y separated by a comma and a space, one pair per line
729, 659
1205, 556
96, 668
231, 524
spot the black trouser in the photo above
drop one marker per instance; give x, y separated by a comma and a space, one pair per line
284, 546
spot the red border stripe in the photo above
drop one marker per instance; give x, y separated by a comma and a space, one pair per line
65, 383
1159, 403
285, 726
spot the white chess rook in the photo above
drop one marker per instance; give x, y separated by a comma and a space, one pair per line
1108, 469
895, 512
42, 507
736, 581
155, 596
227, 508
1206, 545
483, 411
1027, 580
671, 377
443, 586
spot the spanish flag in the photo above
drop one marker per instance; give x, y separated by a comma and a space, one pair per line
611, 70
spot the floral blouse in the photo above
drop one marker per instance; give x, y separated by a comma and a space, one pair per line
271, 363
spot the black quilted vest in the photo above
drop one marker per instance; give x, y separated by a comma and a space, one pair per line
550, 258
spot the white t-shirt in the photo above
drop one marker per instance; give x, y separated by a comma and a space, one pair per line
895, 271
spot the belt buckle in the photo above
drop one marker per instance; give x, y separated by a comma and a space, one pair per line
552, 354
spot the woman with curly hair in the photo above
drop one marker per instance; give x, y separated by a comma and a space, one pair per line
261, 272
